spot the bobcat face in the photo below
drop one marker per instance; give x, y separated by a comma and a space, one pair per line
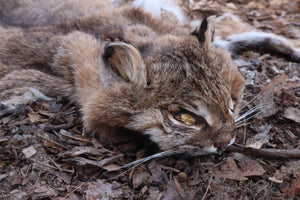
177, 95
199, 115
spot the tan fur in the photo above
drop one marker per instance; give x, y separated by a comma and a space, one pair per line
127, 70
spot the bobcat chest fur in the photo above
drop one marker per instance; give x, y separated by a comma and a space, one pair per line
128, 70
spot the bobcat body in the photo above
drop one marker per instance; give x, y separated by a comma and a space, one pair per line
126, 68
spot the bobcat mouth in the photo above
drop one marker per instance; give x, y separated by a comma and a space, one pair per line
198, 151
220, 147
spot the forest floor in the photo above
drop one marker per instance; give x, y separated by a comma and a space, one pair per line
43, 154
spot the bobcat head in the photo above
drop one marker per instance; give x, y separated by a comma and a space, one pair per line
182, 92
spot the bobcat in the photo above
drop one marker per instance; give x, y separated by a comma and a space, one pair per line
127, 69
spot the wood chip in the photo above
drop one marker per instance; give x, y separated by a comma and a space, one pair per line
29, 152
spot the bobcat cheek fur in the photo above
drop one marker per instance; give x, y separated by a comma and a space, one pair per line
127, 69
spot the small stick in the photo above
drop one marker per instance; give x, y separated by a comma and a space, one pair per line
208, 186
274, 153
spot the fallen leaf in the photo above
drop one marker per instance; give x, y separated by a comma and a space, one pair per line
292, 113
17, 194
76, 151
275, 180
294, 189
138, 178
157, 174
290, 168
44, 192
48, 143
239, 170
106, 191
170, 192
34, 117
179, 188
111, 167
274, 82
261, 138
84, 161
63, 176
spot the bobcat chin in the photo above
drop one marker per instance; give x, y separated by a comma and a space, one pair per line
125, 68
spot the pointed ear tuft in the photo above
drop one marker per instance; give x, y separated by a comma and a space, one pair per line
125, 60
205, 33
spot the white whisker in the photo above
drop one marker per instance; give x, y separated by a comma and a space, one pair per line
249, 102
252, 110
247, 119
137, 163
143, 160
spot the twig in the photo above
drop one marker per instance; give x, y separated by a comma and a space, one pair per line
41, 136
208, 186
273, 153
66, 134
170, 168
60, 169
81, 184
53, 167
67, 195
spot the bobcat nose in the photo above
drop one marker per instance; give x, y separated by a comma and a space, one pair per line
221, 146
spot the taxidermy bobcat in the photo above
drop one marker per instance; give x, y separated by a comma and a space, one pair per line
127, 69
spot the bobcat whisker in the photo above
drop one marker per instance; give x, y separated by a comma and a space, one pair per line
247, 119
137, 163
143, 160
249, 102
252, 110
174, 151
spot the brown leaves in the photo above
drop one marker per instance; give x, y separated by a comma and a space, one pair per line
103, 190
238, 167
292, 114
294, 189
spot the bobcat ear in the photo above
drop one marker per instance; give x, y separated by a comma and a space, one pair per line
205, 33
125, 60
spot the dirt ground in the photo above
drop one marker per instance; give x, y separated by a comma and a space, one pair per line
44, 155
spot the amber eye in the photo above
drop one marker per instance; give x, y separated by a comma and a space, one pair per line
187, 118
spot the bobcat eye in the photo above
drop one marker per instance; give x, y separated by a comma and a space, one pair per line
187, 118
231, 107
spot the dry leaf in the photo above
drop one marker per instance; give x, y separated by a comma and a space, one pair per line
63, 176
112, 167
48, 143
261, 138
239, 170
44, 192
76, 151
34, 117
276, 81
138, 179
291, 167
275, 180
170, 192
294, 189
156, 172
106, 191
292, 113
